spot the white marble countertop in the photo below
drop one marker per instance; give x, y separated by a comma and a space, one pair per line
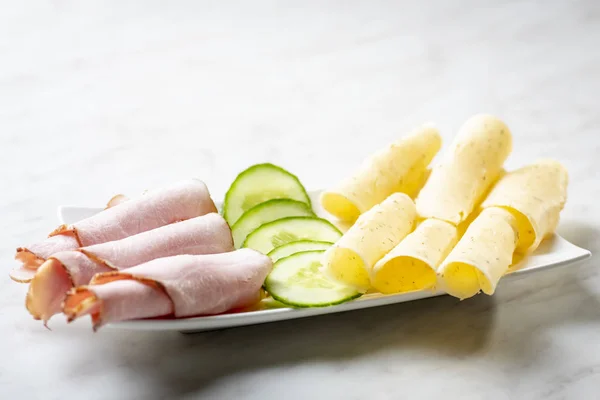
101, 97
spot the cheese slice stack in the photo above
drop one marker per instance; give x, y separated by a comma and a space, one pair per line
456, 185
472, 219
400, 167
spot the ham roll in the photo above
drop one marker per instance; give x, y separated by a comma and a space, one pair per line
208, 234
178, 286
181, 201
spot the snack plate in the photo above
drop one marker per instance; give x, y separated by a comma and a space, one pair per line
554, 252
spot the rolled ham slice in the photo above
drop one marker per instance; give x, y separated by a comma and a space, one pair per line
178, 202
201, 235
179, 286
34, 255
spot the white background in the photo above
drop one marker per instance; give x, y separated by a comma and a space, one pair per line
102, 97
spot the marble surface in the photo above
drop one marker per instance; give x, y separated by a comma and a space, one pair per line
100, 97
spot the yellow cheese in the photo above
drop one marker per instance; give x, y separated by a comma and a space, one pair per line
535, 195
375, 233
412, 264
471, 165
401, 167
481, 256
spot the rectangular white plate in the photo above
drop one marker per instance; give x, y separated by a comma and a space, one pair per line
552, 253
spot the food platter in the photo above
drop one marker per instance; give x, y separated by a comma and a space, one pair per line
398, 229
554, 252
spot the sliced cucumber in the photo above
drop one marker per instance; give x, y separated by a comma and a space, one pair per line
258, 184
297, 281
296, 247
268, 211
291, 229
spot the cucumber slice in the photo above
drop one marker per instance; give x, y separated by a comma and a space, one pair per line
291, 229
297, 281
268, 211
258, 184
296, 247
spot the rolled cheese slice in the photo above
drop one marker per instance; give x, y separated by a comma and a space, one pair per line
412, 264
400, 167
375, 233
471, 165
481, 256
535, 195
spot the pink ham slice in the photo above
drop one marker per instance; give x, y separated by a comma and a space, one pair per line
201, 235
181, 201
34, 255
179, 286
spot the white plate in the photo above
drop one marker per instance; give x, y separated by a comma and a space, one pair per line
552, 253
